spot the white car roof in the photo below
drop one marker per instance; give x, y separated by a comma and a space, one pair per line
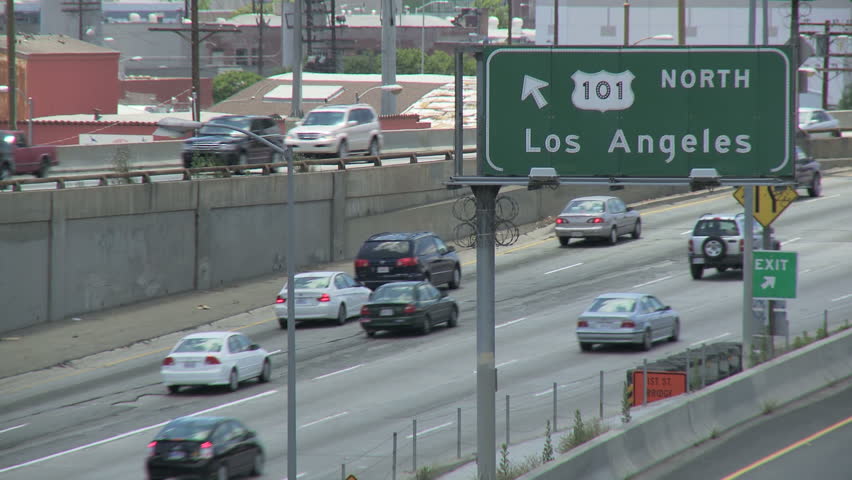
208, 335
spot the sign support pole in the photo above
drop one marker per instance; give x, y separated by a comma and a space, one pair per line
486, 372
748, 272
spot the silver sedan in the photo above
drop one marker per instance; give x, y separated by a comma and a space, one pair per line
323, 296
597, 217
631, 318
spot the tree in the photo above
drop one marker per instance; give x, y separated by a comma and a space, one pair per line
496, 8
845, 102
364, 63
229, 83
408, 61
252, 7
440, 63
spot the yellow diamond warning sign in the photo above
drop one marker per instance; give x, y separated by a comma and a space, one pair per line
769, 202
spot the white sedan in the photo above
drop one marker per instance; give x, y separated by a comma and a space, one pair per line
323, 296
816, 119
215, 358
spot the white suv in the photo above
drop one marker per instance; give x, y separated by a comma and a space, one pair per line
717, 242
337, 130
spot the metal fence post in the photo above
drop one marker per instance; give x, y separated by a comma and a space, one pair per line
414, 445
600, 405
458, 432
393, 462
644, 382
825, 323
554, 407
342, 471
507, 420
703, 365
688, 385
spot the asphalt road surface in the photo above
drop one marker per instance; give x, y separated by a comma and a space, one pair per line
93, 421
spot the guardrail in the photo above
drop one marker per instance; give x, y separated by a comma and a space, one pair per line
226, 171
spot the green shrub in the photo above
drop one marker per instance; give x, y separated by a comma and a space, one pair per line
581, 433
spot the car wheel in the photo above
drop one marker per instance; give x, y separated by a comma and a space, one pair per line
282, 322
374, 148
646, 341
44, 169
637, 230
454, 318
815, 189
341, 314
221, 472
427, 278
721, 268
456, 280
174, 389
675, 331
426, 328
5, 172
233, 381
370, 333
586, 346
257, 464
564, 241
242, 159
265, 372
697, 271
613, 236
343, 150
713, 248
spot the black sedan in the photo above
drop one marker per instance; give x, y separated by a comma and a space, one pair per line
408, 305
205, 448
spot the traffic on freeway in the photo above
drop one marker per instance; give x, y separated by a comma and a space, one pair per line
94, 418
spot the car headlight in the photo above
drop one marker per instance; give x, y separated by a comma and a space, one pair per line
186, 146
228, 146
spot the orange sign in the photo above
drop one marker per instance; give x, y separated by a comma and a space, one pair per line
351, 477
660, 385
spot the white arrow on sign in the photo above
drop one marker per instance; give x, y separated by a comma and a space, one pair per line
532, 86
768, 282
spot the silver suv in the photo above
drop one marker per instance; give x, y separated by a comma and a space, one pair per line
717, 242
337, 130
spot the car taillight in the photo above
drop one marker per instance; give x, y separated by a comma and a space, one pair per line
560, 221
280, 300
206, 450
361, 263
595, 220
211, 360
689, 246
365, 311
742, 245
628, 324
409, 309
582, 323
168, 361
406, 262
324, 298
152, 449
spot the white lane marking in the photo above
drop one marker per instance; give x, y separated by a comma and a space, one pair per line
844, 297
512, 322
13, 428
429, 430
132, 432
549, 391
823, 198
792, 240
686, 232
339, 372
563, 268
276, 352
505, 363
324, 419
652, 282
717, 337
298, 475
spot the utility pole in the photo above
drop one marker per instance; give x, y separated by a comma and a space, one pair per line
260, 24
195, 40
388, 56
11, 58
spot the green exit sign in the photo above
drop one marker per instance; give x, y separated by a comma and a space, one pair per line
774, 274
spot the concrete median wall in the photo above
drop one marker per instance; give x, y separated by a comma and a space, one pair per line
675, 425
72, 251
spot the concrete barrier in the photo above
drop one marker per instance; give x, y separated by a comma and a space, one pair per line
668, 427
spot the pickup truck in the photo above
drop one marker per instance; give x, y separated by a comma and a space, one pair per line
18, 157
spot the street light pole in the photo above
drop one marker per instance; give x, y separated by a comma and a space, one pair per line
422, 9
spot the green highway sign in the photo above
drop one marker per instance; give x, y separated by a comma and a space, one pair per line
637, 112
774, 274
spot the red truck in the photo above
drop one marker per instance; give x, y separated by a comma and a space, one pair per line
18, 157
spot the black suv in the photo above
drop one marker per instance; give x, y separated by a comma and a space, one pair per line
393, 257
223, 146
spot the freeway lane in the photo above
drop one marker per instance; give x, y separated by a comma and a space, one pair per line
355, 392
806, 439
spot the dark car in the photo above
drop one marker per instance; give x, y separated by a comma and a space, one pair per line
224, 146
395, 257
408, 306
808, 174
204, 448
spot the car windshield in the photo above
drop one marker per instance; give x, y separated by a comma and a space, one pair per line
187, 429
199, 345
324, 118
585, 206
393, 293
613, 305
724, 228
237, 122
385, 249
311, 282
